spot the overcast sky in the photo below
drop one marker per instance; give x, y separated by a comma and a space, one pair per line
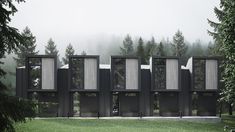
81, 22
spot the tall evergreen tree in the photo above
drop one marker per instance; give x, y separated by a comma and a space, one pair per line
150, 48
160, 50
127, 48
179, 47
140, 51
28, 47
51, 49
69, 51
12, 109
224, 33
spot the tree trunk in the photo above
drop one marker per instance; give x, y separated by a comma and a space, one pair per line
230, 109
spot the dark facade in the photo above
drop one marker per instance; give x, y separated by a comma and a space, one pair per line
125, 88
38, 82
83, 85
125, 85
165, 86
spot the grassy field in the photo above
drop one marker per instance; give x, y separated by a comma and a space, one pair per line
95, 125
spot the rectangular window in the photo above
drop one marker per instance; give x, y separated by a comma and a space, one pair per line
119, 74
159, 74
77, 73
199, 74
46, 103
76, 104
34, 73
155, 105
115, 104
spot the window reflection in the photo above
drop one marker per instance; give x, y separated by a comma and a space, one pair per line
35, 73
46, 103
76, 104
199, 74
160, 73
119, 74
77, 73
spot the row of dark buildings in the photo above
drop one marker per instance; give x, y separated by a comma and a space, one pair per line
87, 88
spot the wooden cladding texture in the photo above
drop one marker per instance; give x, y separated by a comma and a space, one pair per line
211, 74
172, 74
132, 74
48, 69
90, 73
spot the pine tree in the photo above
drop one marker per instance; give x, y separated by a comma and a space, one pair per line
224, 35
179, 47
69, 51
51, 49
140, 51
12, 109
127, 48
28, 47
160, 50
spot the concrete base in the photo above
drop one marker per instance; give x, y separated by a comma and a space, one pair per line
207, 119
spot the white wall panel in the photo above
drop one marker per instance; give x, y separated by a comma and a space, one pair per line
172, 73
132, 74
48, 74
211, 74
90, 73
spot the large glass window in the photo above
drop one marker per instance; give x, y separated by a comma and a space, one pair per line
46, 103
77, 73
159, 73
119, 74
155, 104
76, 104
199, 74
194, 104
115, 104
34, 73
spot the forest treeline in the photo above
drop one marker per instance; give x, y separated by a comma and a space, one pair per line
129, 45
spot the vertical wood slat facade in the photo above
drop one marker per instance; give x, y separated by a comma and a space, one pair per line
132, 74
90, 73
211, 74
172, 74
48, 73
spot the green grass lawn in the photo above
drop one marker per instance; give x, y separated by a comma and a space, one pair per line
95, 125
